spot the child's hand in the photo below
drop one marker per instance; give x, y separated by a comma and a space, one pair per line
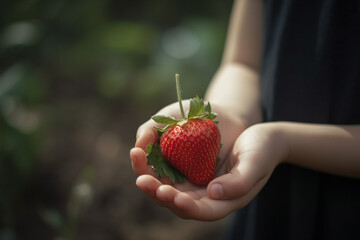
244, 170
255, 154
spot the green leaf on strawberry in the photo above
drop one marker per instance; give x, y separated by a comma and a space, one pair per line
168, 121
165, 119
196, 107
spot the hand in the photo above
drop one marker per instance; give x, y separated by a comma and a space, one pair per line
190, 201
256, 153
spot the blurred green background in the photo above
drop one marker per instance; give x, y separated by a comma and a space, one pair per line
77, 77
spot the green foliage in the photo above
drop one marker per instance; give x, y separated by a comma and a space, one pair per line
161, 119
196, 107
161, 166
125, 37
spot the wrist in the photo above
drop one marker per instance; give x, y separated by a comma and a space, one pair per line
280, 133
276, 132
273, 137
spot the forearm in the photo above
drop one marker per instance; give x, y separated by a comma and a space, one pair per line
332, 149
236, 87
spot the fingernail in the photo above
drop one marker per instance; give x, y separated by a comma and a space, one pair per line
216, 191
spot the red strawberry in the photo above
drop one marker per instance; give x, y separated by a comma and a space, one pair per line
191, 145
193, 149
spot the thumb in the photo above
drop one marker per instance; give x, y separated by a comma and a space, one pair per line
244, 180
229, 186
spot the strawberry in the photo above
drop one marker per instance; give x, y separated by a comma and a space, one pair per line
190, 145
193, 149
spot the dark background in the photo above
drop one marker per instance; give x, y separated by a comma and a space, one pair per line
77, 77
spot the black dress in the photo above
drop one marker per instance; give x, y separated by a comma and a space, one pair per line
310, 73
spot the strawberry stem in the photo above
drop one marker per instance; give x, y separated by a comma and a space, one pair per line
178, 91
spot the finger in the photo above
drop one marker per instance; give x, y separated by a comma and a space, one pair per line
228, 186
148, 184
173, 199
165, 196
139, 162
140, 166
204, 209
166, 193
244, 177
183, 204
156, 190
146, 134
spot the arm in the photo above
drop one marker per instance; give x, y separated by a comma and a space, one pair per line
333, 149
234, 94
235, 86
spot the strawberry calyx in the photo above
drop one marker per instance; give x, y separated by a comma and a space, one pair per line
197, 110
